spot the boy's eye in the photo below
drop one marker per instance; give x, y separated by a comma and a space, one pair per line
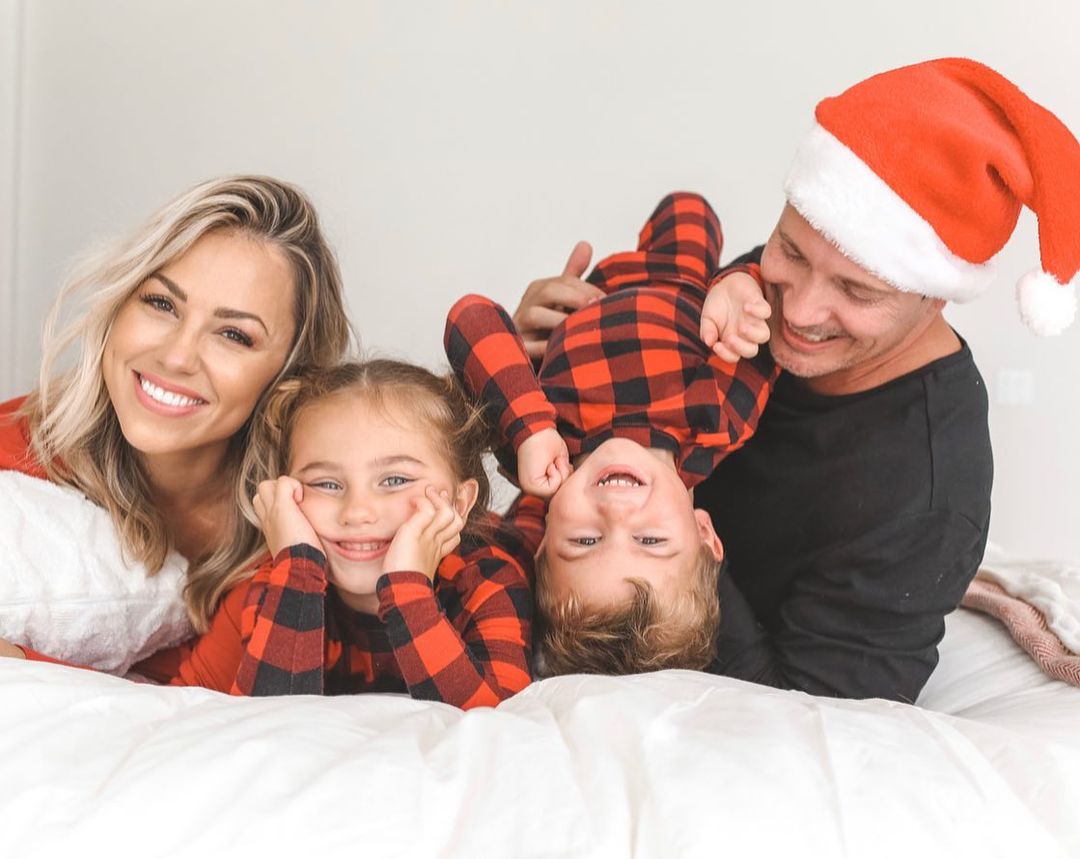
158, 302
395, 480
237, 336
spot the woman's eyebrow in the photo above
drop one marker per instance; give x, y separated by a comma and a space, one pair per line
220, 312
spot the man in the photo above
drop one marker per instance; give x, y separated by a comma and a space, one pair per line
856, 517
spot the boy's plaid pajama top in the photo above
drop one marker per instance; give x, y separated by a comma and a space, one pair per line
464, 640
630, 365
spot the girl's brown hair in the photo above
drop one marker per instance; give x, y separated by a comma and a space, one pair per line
437, 403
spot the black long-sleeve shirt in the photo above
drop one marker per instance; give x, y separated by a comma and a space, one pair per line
852, 525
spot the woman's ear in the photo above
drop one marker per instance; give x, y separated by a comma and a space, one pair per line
708, 533
465, 497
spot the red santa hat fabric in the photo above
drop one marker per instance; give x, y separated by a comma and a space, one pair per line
918, 174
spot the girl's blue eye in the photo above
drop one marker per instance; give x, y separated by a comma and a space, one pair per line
331, 485
395, 481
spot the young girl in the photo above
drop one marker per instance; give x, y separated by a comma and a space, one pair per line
387, 572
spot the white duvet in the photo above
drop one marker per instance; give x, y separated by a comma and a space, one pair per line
668, 765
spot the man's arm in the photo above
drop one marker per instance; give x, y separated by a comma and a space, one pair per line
865, 622
548, 301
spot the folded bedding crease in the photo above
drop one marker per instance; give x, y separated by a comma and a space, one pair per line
1038, 602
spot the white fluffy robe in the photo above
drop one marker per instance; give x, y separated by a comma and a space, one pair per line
66, 589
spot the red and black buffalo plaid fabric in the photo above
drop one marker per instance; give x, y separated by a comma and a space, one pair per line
464, 640
631, 365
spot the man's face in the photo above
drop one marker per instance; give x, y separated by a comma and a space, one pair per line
833, 322
623, 513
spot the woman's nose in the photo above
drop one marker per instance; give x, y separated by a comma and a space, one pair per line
180, 351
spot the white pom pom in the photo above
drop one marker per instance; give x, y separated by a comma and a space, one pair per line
1046, 306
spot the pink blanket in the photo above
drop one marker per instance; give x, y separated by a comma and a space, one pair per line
1027, 625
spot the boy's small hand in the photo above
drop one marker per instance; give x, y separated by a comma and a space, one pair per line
428, 536
733, 317
543, 463
277, 504
10, 650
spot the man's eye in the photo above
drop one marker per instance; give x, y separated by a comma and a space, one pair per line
585, 541
395, 481
158, 302
860, 297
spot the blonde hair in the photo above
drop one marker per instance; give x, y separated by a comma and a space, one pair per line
75, 432
438, 404
644, 634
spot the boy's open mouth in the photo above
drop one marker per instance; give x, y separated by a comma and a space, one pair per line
621, 477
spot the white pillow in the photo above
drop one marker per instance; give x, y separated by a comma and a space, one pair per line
66, 589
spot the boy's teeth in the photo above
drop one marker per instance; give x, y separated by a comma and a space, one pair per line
166, 397
619, 480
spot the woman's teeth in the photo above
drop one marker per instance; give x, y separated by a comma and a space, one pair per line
167, 397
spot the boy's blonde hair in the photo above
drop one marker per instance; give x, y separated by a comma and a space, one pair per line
437, 403
74, 430
644, 634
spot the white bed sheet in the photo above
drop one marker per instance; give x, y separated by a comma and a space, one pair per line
668, 765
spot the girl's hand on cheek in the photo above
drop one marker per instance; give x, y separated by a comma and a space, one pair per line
428, 536
277, 504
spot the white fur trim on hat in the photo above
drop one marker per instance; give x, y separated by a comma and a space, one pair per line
848, 203
1047, 306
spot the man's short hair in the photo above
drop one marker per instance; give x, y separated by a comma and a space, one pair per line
644, 634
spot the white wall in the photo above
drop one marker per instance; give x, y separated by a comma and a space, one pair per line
10, 74
466, 146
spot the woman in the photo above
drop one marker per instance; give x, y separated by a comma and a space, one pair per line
220, 295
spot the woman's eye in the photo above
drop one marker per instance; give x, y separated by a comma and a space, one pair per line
585, 541
158, 302
238, 336
792, 255
395, 480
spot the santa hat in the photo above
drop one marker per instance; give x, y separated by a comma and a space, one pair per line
918, 175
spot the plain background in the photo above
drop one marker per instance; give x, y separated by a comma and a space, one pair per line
465, 146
